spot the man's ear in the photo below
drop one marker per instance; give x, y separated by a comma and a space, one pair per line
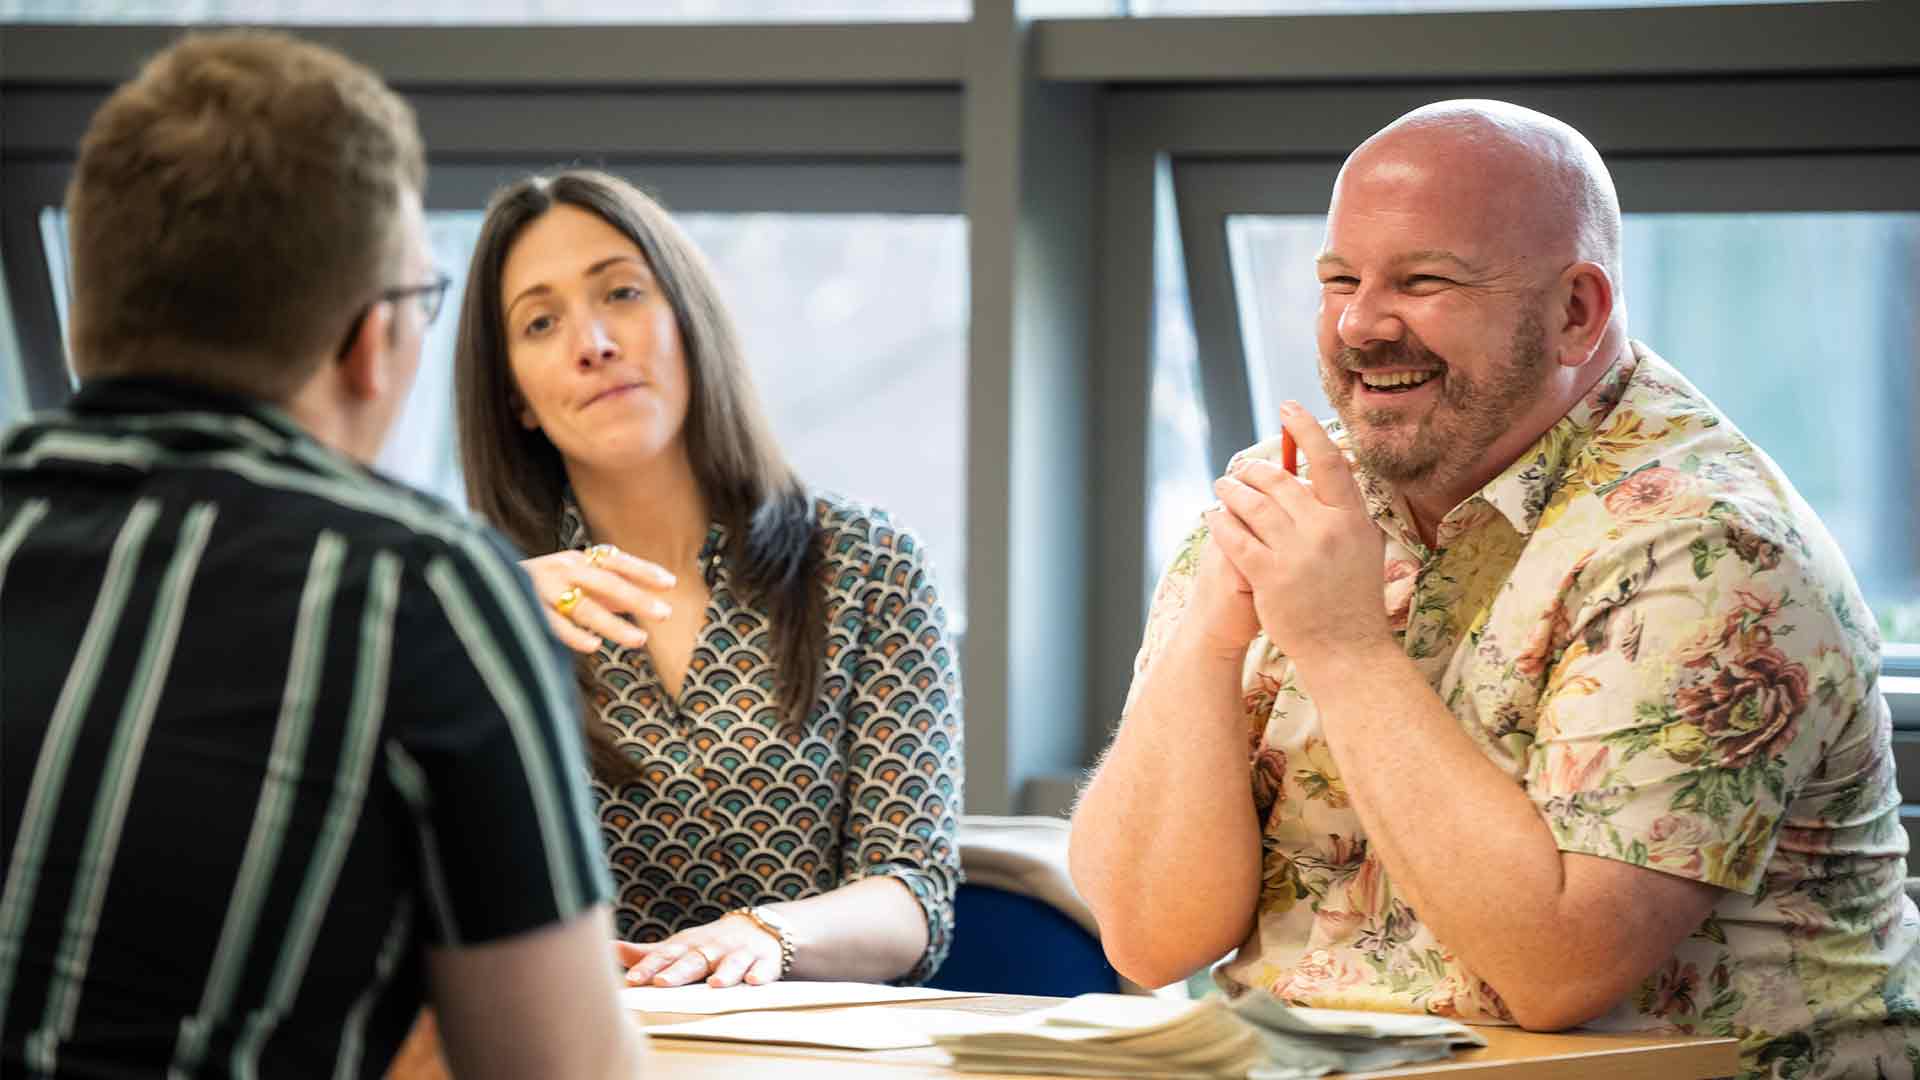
1584, 314
364, 365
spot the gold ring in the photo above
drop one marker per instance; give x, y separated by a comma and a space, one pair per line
567, 601
600, 551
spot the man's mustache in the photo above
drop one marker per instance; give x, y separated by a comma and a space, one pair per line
1392, 355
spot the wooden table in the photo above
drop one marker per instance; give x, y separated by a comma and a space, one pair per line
1510, 1054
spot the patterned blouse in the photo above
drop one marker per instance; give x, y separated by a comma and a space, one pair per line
736, 808
1641, 623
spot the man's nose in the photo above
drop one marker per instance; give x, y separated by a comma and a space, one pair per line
1368, 317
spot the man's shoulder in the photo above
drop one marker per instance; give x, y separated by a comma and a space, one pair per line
1666, 458
1670, 493
250, 467
426, 527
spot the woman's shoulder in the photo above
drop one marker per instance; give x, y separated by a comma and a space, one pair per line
862, 531
843, 516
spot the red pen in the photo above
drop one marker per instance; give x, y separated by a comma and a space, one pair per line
1289, 453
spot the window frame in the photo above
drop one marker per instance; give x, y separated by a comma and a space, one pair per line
1064, 127
1209, 192
1234, 145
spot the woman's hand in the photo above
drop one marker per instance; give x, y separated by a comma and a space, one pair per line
587, 592
730, 950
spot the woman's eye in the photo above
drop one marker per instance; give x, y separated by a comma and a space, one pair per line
539, 325
624, 292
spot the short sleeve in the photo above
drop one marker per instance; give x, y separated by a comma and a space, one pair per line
1701, 671
905, 750
484, 751
1170, 595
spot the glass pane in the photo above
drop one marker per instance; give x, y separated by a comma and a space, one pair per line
13, 395
1814, 356
1071, 9
1179, 480
855, 327
421, 448
478, 11
1402, 7
53, 243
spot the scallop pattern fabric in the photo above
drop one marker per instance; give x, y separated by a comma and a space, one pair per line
736, 808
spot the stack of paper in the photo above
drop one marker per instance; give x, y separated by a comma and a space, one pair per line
1255, 1038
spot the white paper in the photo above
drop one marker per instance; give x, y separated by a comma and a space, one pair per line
877, 1028
787, 994
1257, 1036
1116, 1011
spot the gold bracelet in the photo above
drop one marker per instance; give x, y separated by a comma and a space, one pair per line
776, 926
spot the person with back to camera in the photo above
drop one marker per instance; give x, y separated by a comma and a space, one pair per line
1555, 705
774, 709
254, 696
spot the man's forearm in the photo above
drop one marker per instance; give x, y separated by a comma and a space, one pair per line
1466, 847
1165, 846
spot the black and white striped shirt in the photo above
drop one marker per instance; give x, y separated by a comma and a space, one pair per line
269, 724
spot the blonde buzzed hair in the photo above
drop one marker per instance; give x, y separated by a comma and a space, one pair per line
232, 209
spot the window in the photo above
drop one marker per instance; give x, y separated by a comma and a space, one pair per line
477, 11
854, 325
1803, 327
856, 329
13, 395
53, 242
1398, 7
1180, 482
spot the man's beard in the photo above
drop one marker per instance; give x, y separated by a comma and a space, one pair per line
1470, 416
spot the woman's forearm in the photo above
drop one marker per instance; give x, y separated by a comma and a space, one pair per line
869, 930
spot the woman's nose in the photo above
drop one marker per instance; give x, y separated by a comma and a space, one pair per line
596, 346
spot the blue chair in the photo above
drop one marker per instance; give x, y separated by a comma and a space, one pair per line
1020, 927
1009, 943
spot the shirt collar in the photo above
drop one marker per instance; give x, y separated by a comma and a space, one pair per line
188, 415
1521, 492
145, 395
573, 534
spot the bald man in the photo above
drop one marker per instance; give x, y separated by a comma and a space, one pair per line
1610, 753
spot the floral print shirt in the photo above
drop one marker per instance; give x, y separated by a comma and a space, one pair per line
1643, 625
737, 808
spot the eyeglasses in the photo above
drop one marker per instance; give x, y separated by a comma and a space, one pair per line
433, 296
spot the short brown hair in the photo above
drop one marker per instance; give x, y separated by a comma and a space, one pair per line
231, 209
516, 479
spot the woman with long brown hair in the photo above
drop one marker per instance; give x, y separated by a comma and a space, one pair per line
772, 699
